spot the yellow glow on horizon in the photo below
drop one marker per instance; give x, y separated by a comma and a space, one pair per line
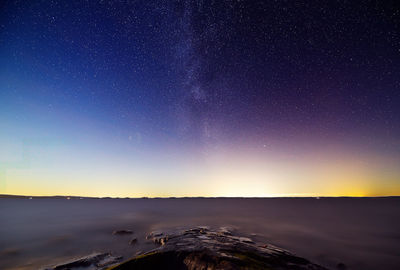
223, 175
228, 185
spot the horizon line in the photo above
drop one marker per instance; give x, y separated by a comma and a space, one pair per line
190, 197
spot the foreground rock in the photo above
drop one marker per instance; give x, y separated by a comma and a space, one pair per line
204, 249
92, 261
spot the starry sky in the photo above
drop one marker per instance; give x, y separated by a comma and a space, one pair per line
200, 98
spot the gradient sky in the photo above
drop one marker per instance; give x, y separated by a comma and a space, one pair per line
200, 98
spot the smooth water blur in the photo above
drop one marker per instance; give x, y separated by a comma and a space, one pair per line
362, 233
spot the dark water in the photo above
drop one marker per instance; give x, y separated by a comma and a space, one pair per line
362, 233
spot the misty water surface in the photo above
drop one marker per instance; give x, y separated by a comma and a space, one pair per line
362, 233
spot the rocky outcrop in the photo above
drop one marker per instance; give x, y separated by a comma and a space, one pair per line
133, 241
122, 232
201, 248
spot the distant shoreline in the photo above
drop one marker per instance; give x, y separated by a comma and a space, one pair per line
2, 196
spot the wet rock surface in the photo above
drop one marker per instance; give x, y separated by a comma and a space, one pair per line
92, 261
202, 248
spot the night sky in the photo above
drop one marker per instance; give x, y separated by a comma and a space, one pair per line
200, 98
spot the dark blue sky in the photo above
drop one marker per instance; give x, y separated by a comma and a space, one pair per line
197, 78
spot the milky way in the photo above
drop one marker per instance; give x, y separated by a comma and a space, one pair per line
181, 82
